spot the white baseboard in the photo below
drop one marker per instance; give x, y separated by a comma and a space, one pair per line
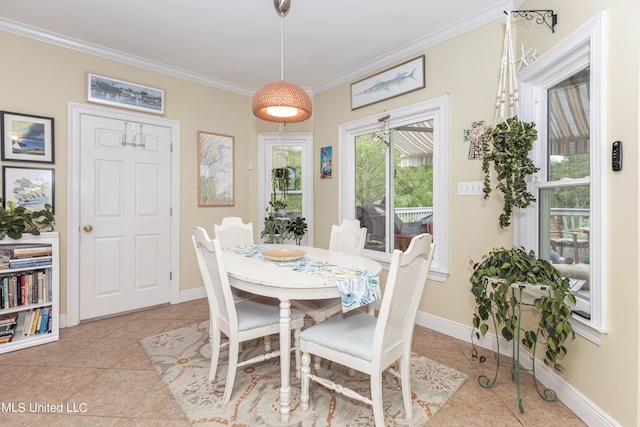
191, 294
188, 295
586, 410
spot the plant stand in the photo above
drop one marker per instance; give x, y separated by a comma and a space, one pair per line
547, 394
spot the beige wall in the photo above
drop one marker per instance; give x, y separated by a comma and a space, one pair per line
41, 79
466, 68
615, 387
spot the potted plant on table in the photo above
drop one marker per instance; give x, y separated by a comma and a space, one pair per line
496, 304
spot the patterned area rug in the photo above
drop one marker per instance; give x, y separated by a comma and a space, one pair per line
182, 356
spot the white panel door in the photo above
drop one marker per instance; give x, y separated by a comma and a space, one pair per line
125, 216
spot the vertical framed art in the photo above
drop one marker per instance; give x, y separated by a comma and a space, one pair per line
26, 138
31, 188
326, 162
215, 169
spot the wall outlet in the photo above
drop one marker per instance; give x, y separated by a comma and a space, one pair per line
470, 188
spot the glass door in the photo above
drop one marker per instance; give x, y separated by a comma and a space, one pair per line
291, 153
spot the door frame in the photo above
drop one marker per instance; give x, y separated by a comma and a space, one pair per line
75, 111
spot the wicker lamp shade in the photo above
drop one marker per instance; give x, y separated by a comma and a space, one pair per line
282, 102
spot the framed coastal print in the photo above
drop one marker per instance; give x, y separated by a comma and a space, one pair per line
26, 138
395, 81
215, 169
118, 93
31, 188
326, 162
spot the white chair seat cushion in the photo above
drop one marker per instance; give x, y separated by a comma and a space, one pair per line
253, 314
350, 333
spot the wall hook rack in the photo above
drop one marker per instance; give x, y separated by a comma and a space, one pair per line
540, 17
134, 137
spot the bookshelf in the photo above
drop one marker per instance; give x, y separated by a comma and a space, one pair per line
30, 266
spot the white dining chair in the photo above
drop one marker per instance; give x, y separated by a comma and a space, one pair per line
347, 237
233, 232
368, 344
239, 321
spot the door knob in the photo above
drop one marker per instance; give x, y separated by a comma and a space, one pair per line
88, 228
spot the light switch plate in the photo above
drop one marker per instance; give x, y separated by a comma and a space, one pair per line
470, 188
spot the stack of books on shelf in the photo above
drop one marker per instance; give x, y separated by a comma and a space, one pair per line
27, 255
8, 324
37, 321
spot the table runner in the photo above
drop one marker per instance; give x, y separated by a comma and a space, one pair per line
357, 287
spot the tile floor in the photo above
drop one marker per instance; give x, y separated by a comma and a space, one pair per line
101, 376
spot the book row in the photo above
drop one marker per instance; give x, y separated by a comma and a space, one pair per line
38, 321
32, 287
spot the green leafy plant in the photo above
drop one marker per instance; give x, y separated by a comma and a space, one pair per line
297, 228
507, 146
275, 228
490, 285
17, 220
280, 182
275, 224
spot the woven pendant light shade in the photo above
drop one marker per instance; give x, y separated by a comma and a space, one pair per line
282, 102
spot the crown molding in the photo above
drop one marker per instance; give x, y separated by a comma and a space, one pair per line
460, 27
114, 55
403, 52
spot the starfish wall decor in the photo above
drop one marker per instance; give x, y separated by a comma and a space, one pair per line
527, 57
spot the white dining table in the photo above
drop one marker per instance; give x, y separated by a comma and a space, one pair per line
270, 280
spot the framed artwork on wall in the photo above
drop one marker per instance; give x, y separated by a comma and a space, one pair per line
31, 188
26, 138
215, 169
118, 93
326, 162
395, 81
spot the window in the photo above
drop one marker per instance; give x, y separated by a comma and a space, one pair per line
393, 178
293, 151
562, 94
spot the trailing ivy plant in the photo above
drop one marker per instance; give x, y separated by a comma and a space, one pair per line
496, 304
17, 220
507, 146
280, 182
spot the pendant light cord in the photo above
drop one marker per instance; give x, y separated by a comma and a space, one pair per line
282, 45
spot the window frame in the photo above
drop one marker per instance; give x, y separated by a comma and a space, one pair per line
437, 109
266, 142
581, 49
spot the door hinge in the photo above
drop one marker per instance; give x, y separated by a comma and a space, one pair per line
171, 275
170, 211
171, 147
